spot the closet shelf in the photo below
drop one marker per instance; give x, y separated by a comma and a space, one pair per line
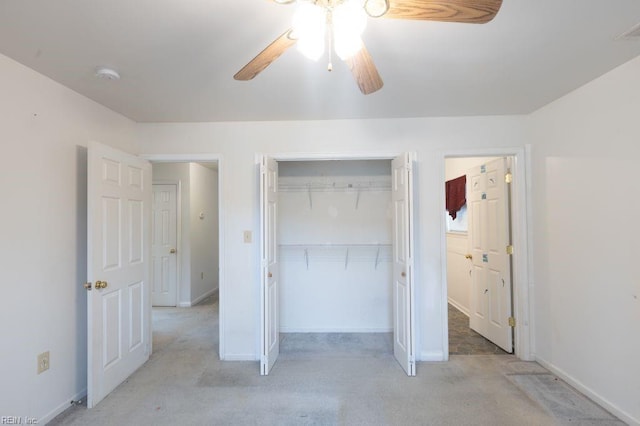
356, 187
366, 252
332, 245
335, 186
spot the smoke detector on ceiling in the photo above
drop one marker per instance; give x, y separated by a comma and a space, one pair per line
105, 73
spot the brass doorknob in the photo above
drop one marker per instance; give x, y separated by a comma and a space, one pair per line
270, 275
468, 256
87, 286
172, 251
101, 284
404, 274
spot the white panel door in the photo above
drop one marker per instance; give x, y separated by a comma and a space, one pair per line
403, 288
119, 305
489, 236
269, 271
163, 245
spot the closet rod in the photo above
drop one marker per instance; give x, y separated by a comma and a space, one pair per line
343, 251
321, 187
331, 245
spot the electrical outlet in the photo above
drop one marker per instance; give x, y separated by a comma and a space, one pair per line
43, 362
247, 236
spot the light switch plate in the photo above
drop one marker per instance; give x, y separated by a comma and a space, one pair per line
247, 237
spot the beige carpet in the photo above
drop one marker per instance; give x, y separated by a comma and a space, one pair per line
320, 380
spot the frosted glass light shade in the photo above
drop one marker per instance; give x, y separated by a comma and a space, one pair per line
349, 22
309, 24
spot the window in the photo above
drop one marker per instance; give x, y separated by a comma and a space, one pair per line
459, 224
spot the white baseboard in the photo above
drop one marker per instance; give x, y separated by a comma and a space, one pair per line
62, 407
197, 300
431, 356
458, 306
594, 396
204, 296
240, 357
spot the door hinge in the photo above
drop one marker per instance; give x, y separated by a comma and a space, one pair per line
509, 249
508, 177
512, 322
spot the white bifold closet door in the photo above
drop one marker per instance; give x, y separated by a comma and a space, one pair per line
403, 286
270, 340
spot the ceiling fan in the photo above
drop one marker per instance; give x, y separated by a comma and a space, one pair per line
340, 23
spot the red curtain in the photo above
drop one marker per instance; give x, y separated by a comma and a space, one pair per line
456, 190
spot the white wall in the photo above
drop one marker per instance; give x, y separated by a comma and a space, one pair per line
338, 286
204, 231
238, 143
458, 272
586, 210
44, 131
458, 166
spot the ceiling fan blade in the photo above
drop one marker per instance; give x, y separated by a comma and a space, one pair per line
364, 71
466, 11
266, 57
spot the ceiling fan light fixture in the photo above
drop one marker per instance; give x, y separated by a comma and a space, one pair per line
311, 47
346, 47
309, 25
348, 23
311, 38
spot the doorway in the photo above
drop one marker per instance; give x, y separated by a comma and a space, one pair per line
478, 225
197, 294
185, 233
485, 255
185, 248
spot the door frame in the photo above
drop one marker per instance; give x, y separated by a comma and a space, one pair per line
204, 158
321, 156
178, 185
520, 239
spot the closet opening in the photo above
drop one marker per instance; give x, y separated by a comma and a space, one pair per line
336, 250
334, 234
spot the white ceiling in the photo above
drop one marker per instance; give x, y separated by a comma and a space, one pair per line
177, 58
